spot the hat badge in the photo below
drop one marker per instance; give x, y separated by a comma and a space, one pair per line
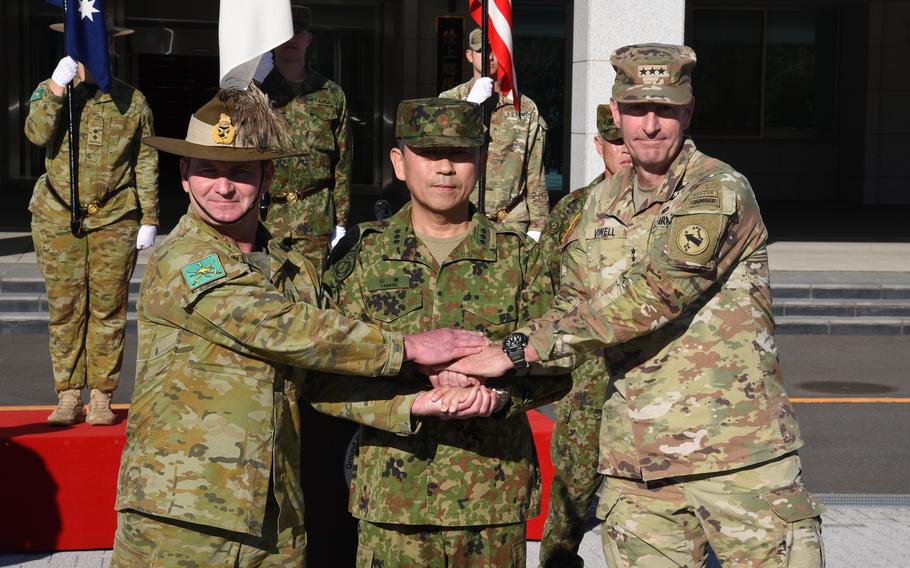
224, 131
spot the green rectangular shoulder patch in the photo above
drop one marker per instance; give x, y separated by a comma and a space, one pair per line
37, 95
203, 271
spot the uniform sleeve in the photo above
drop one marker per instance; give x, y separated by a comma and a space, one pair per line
383, 404
245, 313
147, 171
538, 199
45, 110
658, 292
341, 193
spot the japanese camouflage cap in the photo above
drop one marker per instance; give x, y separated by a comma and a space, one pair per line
605, 126
302, 17
653, 73
112, 30
439, 123
237, 125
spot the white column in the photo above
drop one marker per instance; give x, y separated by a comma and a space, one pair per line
599, 27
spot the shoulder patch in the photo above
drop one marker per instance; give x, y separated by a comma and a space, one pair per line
37, 95
203, 271
344, 267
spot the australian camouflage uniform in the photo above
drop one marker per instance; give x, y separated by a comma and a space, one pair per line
213, 440
87, 276
576, 433
696, 392
516, 188
311, 192
472, 482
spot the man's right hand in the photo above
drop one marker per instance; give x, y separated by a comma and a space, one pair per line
441, 346
65, 72
481, 91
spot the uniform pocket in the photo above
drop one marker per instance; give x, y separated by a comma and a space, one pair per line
608, 500
364, 556
321, 131
389, 305
793, 503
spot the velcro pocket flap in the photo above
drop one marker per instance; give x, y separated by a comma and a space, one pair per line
793, 503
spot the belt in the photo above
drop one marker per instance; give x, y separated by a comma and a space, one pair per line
295, 196
92, 208
500, 214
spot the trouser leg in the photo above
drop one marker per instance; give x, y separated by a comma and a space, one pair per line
111, 260
62, 259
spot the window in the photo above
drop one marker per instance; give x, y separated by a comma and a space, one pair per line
764, 73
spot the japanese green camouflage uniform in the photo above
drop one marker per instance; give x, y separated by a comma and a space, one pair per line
87, 277
212, 451
311, 193
576, 433
458, 492
515, 170
698, 438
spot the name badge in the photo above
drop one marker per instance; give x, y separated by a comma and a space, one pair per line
611, 230
388, 282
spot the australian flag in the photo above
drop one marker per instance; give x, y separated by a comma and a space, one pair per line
86, 37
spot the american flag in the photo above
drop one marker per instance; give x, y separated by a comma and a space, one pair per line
500, 32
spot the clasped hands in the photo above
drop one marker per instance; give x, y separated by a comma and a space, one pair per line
458, 363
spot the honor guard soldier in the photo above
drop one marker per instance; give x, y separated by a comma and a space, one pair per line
516, 191
576, 434
228, 319
310, 198
455, 493
87, 274
698, 439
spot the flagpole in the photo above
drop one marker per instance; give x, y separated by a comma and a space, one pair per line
485, 67
75, 210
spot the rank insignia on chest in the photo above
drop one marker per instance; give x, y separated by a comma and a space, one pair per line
224, 131
203, 271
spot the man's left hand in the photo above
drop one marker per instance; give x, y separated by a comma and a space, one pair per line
146, 237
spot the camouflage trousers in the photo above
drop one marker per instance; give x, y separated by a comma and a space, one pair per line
87, 280
144, 540
574, 453
759, 516
407, 546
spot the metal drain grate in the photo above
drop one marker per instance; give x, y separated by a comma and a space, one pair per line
863, 499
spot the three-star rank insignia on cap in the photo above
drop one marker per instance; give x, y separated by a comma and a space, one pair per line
203, 271
692, 240
224, 131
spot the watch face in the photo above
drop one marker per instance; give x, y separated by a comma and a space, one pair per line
515, 341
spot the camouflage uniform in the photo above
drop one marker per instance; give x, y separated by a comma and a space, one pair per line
695, 380
87, 277
213, 439
576, 434
311, 193
453, 480
515, 171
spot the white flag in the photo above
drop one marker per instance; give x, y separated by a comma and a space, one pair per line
246, 30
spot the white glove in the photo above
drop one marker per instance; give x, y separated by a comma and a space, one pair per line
146, 237
337, 235
266, 63
65, 71
534, 235
481, 91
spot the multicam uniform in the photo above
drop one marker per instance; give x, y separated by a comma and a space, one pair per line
311, 193
697, 423
87, 277
576, 434
213, 438
457, 489
515, 174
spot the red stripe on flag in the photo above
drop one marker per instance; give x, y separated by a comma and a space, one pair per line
500, 39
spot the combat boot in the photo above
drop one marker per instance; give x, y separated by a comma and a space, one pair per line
70, 409
99, 409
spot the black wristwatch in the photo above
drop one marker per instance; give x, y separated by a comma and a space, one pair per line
514, 346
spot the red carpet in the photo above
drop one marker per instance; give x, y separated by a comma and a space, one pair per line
58, 484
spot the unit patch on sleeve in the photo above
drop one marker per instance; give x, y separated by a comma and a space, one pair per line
203, 271
37, 95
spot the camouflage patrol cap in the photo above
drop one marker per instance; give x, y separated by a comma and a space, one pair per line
302, 17
439, 123
653, 72
605, 126
474, 39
